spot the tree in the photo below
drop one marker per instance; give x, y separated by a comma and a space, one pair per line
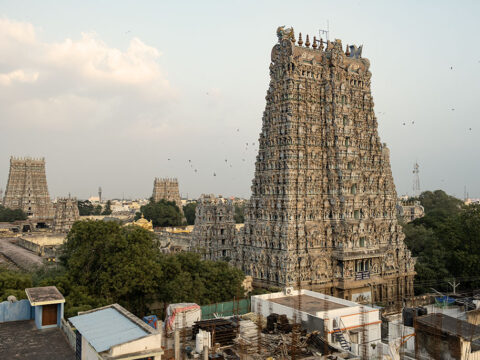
11, 215
108, 208
239, 213
118, 264
446, 242
161, 213
189, 211
14, 283
186, 277
97, 210
85, 207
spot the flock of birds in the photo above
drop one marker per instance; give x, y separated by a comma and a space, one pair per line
228, 163
252, 144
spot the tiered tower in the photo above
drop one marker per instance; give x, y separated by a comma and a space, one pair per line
66, 213
322, 210
214, 230
167, 189
27, 188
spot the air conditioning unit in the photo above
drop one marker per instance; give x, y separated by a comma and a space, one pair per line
288, 290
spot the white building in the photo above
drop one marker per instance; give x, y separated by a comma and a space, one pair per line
112, 332
346, 325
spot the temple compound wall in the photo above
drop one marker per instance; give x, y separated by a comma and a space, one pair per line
214, 230
27, 188
167, 189
66, 213
322, 213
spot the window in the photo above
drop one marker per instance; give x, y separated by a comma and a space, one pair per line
221, 231
356, 214
362, 242
353, 189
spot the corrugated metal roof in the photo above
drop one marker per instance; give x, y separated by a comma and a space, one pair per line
106, 328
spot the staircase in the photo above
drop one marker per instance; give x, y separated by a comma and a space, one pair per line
341, 339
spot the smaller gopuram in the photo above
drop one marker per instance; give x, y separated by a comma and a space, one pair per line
167, 189
66, 213
214, 230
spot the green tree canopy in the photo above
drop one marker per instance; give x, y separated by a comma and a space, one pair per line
108, 208
11, 215
161, 213
113, 262
446, 242
85, 207
189, 211
185, 277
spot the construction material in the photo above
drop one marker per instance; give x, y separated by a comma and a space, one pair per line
182, 315
223, 331
202, 340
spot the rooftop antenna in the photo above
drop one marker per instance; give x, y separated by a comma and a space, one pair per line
325, 32
416, 179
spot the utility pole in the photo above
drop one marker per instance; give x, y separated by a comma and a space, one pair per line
454, 285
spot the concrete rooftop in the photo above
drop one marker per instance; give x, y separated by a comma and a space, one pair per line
44, 295
307, 303
22, 340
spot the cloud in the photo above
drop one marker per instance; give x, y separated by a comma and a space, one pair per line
74, 85
18, 76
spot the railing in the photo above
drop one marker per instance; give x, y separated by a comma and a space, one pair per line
362, 275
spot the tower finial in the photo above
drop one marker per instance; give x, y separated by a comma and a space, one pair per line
321, 44
300, 41
314, 45
307, 42
348, 51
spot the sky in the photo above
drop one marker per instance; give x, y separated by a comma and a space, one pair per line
116, 93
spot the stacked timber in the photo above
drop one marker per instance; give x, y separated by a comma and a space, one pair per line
223, 331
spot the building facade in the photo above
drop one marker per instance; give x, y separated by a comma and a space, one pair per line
322, 213
66, 213
167, 189
27, 188
214, 230
408, 211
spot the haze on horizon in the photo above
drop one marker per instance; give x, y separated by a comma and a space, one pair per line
115, 94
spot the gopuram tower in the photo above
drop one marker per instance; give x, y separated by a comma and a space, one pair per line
322, 213
167, 189
27, 188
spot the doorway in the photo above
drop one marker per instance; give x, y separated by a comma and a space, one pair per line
49, 314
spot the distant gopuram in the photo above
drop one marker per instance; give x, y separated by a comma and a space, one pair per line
27, 188
167, 189
66, 213
322, 213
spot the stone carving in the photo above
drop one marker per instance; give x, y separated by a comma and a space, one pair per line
214, 229
66, 213
27, 188
323, 197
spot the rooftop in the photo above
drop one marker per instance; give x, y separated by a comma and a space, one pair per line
44, 295
451, 325
307, 303
109, 326
33, 344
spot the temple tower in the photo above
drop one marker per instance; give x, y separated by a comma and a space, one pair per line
214, 229
167, 189
322, 212
66, 213
27, 188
